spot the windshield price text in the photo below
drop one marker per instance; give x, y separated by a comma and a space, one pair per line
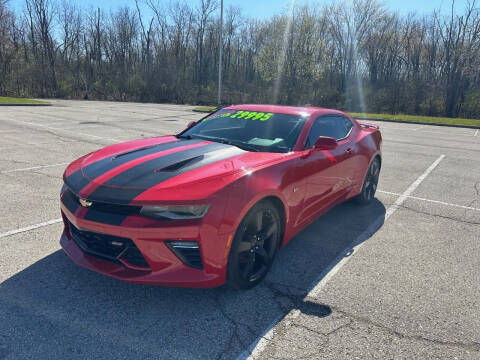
240, 114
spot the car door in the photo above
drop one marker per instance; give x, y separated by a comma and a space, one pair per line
328, 174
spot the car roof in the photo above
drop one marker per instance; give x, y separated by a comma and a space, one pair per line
281, 109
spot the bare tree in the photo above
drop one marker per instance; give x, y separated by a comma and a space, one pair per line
6, 47
40, 14
460, 38
353, 54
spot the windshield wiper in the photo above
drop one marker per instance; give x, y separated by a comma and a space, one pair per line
245, 147
242, 146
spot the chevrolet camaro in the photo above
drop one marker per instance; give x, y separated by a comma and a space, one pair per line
214, 203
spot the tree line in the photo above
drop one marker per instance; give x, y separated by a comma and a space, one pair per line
356, 55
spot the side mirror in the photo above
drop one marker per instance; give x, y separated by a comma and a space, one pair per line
325, 143
191, 124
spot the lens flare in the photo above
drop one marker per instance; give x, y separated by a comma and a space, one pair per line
283, 53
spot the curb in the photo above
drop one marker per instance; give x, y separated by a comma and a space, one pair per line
421, 123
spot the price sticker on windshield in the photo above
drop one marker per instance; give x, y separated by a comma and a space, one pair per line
241, 114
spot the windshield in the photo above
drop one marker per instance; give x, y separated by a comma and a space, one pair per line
250, 130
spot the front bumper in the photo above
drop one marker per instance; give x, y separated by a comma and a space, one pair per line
164, 267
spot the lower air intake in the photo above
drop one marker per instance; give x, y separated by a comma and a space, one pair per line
134, 256
108, 247
187, 251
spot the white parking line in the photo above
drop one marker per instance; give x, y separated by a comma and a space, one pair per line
432, 201
31, 227
33, 168
259, 345
476, 133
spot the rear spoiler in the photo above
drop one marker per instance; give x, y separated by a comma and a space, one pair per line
369, 126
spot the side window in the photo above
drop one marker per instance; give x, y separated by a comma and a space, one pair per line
347, 123
337, 127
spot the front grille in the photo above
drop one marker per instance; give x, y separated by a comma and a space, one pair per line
108, 247
98, 244
115, 209
106, 213
70, 198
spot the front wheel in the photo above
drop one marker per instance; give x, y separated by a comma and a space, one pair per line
370, 183
254, 246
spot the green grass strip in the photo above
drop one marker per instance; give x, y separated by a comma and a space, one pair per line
4, 100
419, 119
206, 109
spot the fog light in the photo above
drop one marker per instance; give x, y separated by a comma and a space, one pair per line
184, 244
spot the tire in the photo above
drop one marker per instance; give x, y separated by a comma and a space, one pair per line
254, 246
369, 183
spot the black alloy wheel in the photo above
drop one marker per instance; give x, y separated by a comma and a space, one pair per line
370, 183
254, 247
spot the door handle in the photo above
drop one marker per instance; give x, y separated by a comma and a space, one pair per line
349, 151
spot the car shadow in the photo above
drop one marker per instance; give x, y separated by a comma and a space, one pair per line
55, 309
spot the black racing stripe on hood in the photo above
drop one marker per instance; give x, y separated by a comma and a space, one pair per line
148, 174
100, 167
143, 176
76, 181
70, 201
111, 214
115, 195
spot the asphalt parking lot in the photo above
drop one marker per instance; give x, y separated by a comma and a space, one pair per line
399, 278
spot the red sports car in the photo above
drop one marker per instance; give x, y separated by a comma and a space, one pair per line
214, 203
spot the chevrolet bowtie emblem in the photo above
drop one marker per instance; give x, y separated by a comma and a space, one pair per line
85, 203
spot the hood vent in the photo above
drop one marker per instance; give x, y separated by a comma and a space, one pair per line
181, 164
133, 151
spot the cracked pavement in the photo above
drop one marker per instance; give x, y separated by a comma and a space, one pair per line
411, 290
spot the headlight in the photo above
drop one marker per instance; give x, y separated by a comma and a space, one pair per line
175, 212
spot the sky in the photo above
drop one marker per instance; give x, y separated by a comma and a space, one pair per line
267, 8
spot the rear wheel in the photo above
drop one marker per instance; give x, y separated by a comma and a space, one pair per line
254, 246
370, 183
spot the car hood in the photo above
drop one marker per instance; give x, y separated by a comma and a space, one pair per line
160, 169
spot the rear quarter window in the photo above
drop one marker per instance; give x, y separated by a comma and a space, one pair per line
338, 127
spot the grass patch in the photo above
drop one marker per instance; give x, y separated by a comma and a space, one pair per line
205, 109
420, 119
5, 100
